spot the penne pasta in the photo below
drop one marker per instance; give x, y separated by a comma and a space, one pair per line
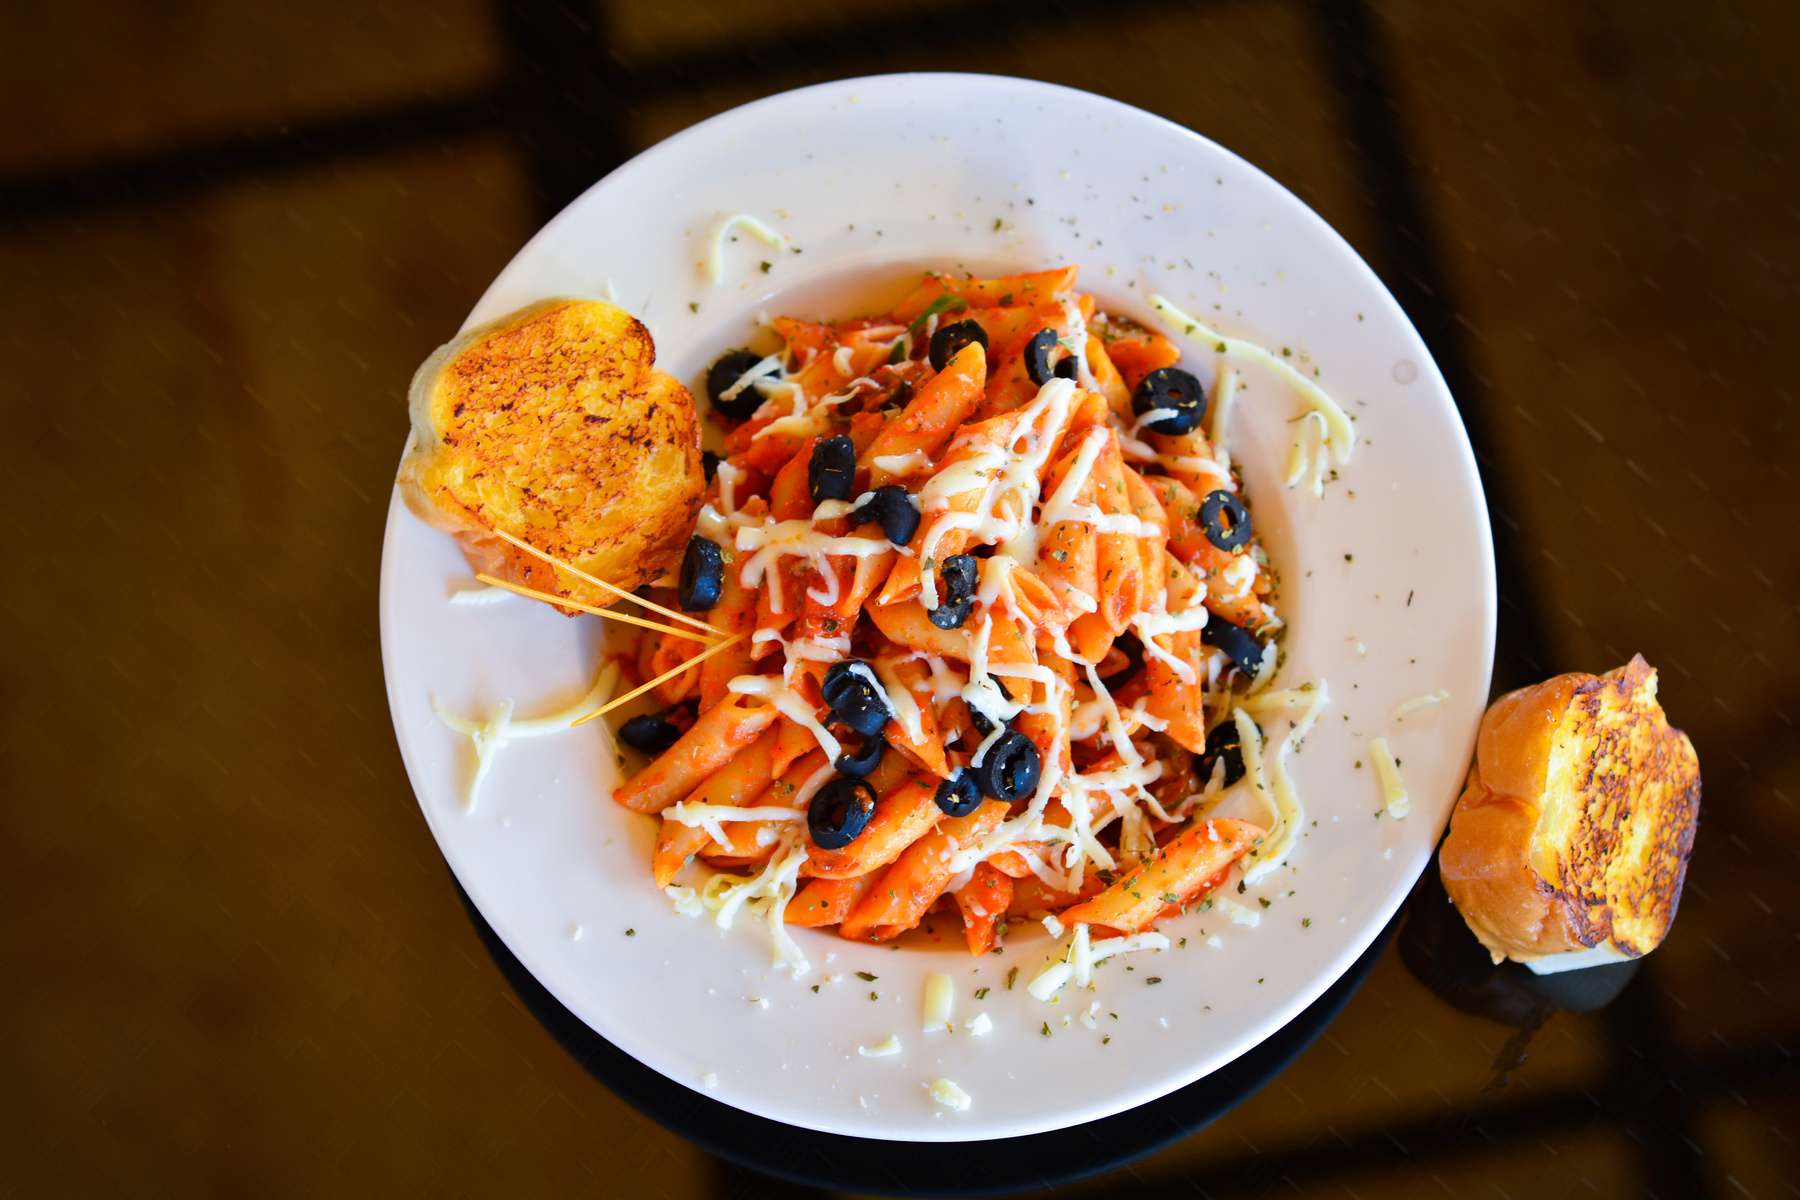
720, 733
1181, 873
1016, 571
917, 878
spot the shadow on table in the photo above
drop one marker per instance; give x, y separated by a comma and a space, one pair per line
840, 1163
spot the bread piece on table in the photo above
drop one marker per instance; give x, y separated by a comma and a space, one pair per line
1575, 827
554, 425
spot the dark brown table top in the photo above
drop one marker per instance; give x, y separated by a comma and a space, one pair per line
237, 964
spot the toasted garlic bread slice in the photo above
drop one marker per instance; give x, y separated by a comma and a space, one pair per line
1575, 827
553, 425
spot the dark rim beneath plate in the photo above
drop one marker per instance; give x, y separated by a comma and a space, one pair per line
840, 1163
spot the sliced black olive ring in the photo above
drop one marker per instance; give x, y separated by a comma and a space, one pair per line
1225, 520
862, 765
1171, 388
1222, 745
831, 473
854, 700
1009, 770
1239, 645
1037, 356
839, 812
893, 508
958, 600
950, 339
702, 575
1037, 359
958, 796
651, 733
727, 371
1128, 645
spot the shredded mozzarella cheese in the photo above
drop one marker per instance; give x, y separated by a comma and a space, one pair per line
711, 817
1393, 788
791, 705
1237, 914
492, 735
765, 894
1279, 842
946, 1093
1337, 421
715, 258
1407, 707
480, 596
939, 996
1309, 454
1225, 392
1051, 980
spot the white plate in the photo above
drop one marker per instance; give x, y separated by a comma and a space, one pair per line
1387, 583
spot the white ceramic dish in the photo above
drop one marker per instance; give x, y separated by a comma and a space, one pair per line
1387, 584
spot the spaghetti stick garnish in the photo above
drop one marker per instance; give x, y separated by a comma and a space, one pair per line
547, 598
669, 674
607, 587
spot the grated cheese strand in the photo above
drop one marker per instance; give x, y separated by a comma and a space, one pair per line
711, 817
1393, 788
1225, 392
715, 258
1407, 707
492, 735
1052, 978
1279, 843
765, 894
1337, 421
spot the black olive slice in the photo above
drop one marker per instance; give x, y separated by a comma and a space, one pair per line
839, 812
958, 600
893, 508
949, 340
651, 733
1173, 388
1239, 645
1225, 520
1037, 356
952, 616
855, 698
1068, 368
832, 472
727, 371
1133, 650
1009, 769
702, 575
979, 719
1222, 745
861, 765
958, 796
709, 463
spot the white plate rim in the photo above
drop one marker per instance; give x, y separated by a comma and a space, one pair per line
527, 944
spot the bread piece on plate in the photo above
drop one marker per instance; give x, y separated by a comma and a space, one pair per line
1574, 831
553, 425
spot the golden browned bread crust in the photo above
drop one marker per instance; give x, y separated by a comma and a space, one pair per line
553, 425
1577, 820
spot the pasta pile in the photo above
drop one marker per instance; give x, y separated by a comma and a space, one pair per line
1018, 551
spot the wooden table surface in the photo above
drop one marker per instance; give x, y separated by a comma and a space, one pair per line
235, 964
